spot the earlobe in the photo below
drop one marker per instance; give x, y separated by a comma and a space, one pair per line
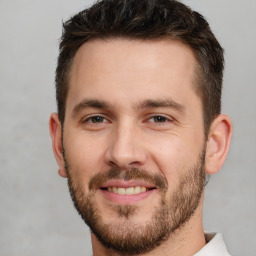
218, 143
62, 172
55, 131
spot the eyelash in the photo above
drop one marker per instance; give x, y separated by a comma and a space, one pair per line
90, 119
163, 120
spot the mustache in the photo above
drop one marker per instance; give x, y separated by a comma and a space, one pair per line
158, 180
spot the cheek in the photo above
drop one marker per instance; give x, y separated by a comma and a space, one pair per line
84, 155
173, 156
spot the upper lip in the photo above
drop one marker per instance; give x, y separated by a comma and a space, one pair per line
126, 184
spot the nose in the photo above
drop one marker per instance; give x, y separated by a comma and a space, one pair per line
126, 148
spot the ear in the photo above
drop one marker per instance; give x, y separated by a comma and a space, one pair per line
218, 143
55, 131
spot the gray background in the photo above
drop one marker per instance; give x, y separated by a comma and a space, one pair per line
36, 213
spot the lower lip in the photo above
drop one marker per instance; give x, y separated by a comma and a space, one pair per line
126, 199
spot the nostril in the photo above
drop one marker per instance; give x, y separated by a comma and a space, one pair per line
112, 163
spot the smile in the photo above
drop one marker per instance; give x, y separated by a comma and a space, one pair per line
123, 192
127, 191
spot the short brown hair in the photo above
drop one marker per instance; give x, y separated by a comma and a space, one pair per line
145, 20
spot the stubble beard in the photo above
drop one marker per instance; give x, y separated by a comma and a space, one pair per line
130, 238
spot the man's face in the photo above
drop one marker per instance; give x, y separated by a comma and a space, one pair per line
133, 140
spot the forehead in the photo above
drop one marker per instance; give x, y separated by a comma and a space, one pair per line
129, 69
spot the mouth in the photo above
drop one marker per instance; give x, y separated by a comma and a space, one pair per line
126, 192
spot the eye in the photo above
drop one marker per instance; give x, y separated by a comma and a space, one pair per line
95, 120
159, 119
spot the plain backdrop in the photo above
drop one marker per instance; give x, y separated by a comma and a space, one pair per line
36, 213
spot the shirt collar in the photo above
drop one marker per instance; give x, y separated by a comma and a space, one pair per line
215, 246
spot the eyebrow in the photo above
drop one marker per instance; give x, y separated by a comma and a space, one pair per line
90, 103
165, 103
150, 103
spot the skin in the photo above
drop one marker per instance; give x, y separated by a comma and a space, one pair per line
124, 74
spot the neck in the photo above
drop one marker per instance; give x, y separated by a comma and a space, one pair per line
186, 241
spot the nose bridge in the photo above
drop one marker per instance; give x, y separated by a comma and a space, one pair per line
126, 149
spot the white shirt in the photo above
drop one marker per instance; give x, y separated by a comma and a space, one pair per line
215, 246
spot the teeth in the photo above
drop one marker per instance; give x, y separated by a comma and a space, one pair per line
137, 190
121, 191
143, 189
127, 191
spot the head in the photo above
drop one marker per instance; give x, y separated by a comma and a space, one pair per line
139, 125
146, 20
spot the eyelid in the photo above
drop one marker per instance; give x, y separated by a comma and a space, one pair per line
148, 117
167, 117
88, 117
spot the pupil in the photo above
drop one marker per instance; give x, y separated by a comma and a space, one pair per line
159, 119
97, 119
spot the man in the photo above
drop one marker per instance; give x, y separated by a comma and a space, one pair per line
138, 86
